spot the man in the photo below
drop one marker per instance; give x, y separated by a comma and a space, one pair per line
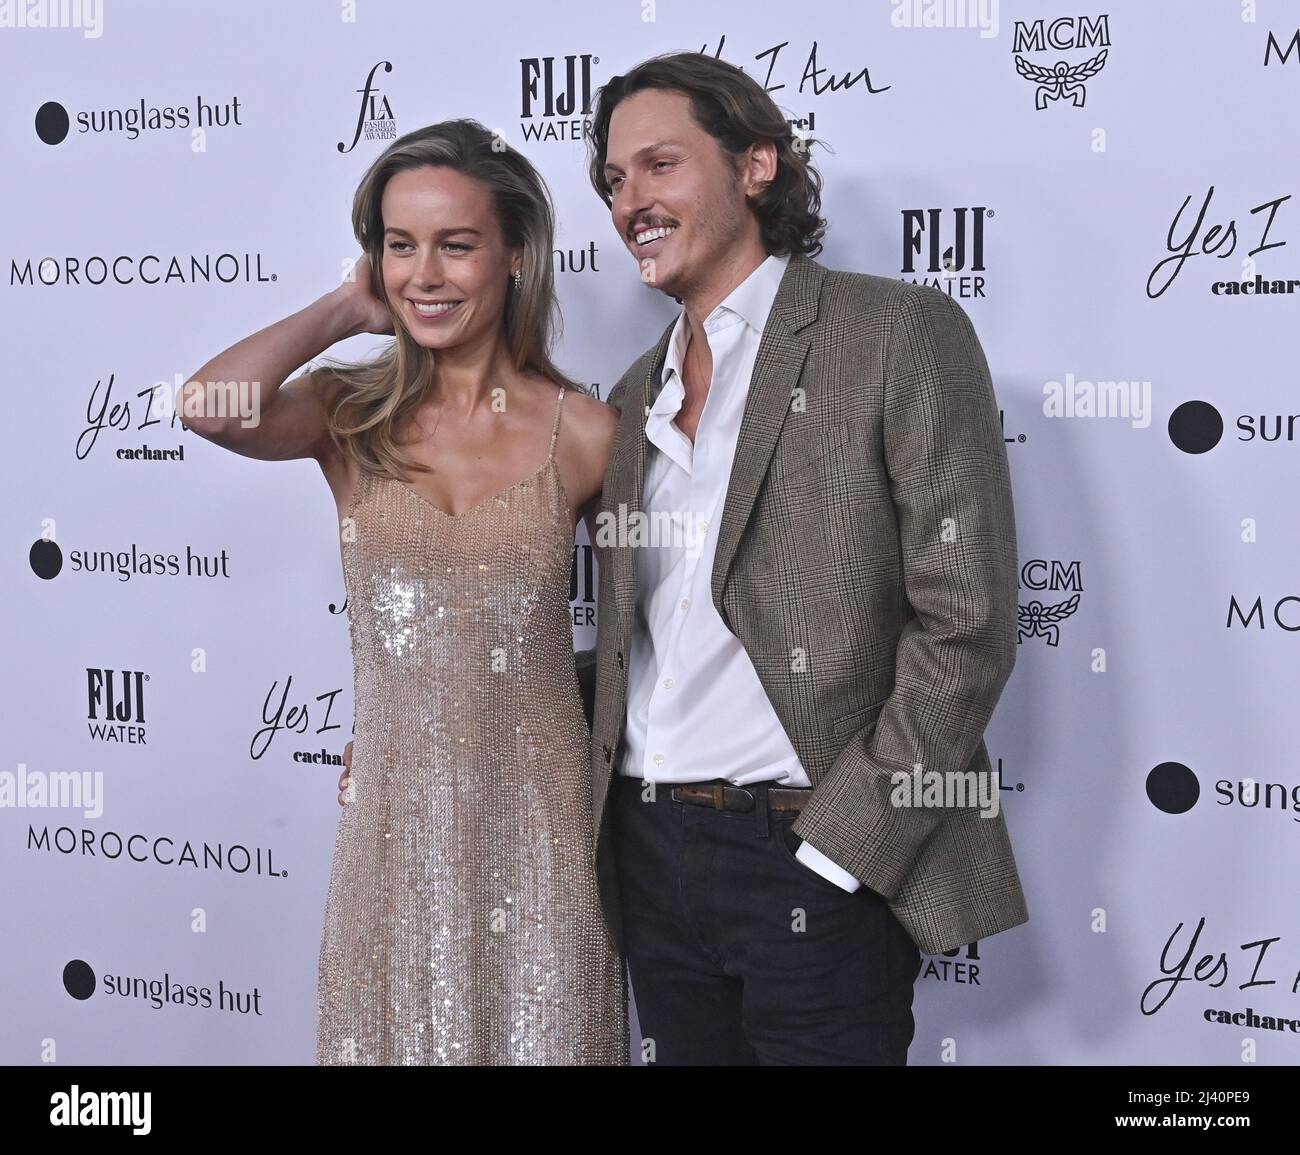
837, 614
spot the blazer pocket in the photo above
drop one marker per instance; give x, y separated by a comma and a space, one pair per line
804, 450
847, 725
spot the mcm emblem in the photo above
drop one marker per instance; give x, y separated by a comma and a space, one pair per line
1039, 621
1062, 81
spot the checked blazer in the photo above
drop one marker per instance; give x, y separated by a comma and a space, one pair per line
866, 561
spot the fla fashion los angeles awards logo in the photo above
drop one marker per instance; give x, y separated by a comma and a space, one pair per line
375, 120
1063, 81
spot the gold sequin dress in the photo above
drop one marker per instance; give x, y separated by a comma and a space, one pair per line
463, 922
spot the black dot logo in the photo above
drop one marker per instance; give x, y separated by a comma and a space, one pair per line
46, 559
1173, 788
1195, 426
52, 122
79, 979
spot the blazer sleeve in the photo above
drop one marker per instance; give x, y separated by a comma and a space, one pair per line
951, 488
584, 661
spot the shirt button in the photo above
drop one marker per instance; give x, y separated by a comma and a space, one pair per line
686, 603
668, 683
659, 759
704, 525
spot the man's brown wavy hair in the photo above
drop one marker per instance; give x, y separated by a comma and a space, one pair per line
731, 107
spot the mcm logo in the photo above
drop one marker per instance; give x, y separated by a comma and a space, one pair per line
1040, 619
1062, 80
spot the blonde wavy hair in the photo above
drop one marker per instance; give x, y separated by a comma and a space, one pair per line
377, 397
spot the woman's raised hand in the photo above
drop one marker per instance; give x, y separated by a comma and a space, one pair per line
371, 315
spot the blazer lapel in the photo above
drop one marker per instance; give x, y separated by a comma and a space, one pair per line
629, 475
777, 367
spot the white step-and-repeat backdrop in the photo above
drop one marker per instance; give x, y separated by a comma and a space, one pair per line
1108, 190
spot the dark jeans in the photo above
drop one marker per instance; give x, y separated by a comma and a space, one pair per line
739, 954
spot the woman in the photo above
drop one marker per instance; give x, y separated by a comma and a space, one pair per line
463, 922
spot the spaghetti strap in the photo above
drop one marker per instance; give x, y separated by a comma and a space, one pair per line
556, 428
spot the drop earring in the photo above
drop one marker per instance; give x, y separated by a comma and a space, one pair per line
518, 280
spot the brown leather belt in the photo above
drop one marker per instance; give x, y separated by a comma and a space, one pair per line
724, 796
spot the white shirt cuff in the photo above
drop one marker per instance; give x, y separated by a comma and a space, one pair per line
813, 858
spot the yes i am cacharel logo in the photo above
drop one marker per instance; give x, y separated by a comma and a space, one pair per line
815, 79
162, 406
1187, 961
1191, 237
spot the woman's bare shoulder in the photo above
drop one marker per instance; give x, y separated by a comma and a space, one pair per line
586, 436
592, 415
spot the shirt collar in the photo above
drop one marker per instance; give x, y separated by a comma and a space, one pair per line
750, 302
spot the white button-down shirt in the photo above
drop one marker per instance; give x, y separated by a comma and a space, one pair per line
696, 708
